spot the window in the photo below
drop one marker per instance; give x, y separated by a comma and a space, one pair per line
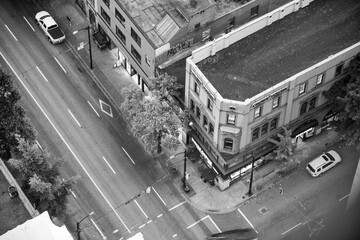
192, 105
197, 88
338, 70
276, 102
312, 103
198, 112
136, 37
147, 60
210, 105
320, 79
119, 16
205, 123
211, 129
302, 88
107, 2
264, 129
303, 108
228, 143
120, 34
257, 112
273, 124
231, 119
255, 134
105, 16
135, 54
254, 11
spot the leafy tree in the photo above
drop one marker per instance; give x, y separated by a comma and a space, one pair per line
344, 99
43, 185
286, 147
166, 87
12, 117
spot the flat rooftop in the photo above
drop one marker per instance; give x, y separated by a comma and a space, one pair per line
284, 48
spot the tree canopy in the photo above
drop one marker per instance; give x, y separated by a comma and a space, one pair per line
344, 98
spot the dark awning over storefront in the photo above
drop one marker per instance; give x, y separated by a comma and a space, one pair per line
304, 126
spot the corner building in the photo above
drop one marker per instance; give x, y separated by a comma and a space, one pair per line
241, 88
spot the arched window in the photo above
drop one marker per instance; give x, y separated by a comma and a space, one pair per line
228, 143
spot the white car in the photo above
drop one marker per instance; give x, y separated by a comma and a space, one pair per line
51, 29
323, 163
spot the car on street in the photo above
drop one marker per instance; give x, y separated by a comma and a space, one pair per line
323, 163
51, 29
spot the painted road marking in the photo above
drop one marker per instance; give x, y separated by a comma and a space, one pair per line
116, 230
74, 118
97, 228
29, 23
128, 155
42, 74
93, 109
60, 64
177, 206
141, 209
159, 216
247, 220
190, 226
343, 198
158, 196
66, 144
10, 32
174, 236
109, 165
37, 143
291, 228
215, 224
106, 108
142, 226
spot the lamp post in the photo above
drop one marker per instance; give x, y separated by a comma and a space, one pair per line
88, 29
252, 173
78, 230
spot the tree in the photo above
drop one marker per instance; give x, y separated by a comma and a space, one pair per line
42, 182
344, 99
12, 117
286, 147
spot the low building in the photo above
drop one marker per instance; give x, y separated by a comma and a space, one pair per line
271, 72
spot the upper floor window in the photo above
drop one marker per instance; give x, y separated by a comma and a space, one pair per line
136, 54
312, 103
147, 60
198, 112
136, 37
228, 143
257, 112
105, 16
107, 2
119, 16
254, 11
338, 70
303, 108
210, 105
320, 79
196, 88
276, 102
255, 134
121, 35
211, 129
205, 122
302, 88
273, 124
231, 119
264, 129
192, 105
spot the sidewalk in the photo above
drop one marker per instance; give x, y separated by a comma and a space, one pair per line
202, 196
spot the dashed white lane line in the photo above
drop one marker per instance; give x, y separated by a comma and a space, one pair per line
109, 165
142, 226
41, 74
128, 155
11, 32
93, 109
174, 236
60, 64
177, 206
247, 220
74, 118
190, 226
159, 216
343, 198
291, 228
37, 143
98, 229
116, 230
158, 196
66, 144
141, 209
28, 23
214, 224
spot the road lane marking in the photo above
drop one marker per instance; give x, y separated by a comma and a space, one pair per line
177, 206
150, 221
106, 108
29, 23
109, 165
11, 32
66, 144
37, 143
74, 118
97, 228
60, 64
215, 224
190, 226
93, 109
159, 216
343, 198
175, 235
247, 220
141, 209
158, 196
128, 155
291, 228
116, 230
42, 74
142, 226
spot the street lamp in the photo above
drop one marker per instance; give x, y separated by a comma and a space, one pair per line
78, 230
88, 29
252, 173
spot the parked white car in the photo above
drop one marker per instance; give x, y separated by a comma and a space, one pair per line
51, 29
323, 163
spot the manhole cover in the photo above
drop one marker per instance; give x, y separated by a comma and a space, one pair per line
263, 210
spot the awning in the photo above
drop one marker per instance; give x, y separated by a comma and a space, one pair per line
303, 127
